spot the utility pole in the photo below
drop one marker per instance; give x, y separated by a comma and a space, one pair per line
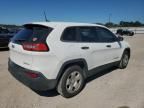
110, 15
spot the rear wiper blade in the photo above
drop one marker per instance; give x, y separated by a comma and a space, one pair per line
20, 40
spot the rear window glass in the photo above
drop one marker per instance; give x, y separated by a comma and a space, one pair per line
32, 34
69, 34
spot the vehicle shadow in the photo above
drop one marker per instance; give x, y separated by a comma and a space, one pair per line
123, 107
48, 93
53, 93
4, 49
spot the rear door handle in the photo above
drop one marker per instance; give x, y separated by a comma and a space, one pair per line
108, 46
85, 48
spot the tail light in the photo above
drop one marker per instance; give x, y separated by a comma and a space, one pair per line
35, 47
32, 75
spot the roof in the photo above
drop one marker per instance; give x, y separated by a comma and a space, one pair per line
64, 24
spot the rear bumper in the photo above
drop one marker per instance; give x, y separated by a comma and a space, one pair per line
41, 83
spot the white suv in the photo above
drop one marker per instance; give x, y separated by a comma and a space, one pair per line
49, 55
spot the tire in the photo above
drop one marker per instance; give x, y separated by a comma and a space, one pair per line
71, 82
124, 60
131, 34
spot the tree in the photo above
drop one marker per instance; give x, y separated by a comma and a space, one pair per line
130, 24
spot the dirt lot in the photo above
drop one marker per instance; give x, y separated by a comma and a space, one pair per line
115, 89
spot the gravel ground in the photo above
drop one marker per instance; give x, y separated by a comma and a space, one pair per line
115, 89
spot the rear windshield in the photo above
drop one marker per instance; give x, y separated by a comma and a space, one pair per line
32, 34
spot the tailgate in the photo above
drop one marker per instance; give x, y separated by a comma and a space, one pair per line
30, 39
19, 56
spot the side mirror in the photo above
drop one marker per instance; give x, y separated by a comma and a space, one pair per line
120, 38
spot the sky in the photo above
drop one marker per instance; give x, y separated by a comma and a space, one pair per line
92, 11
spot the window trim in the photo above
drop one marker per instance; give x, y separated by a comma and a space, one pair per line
77, 34
79, 38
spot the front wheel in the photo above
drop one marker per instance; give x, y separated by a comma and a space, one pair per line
71, 82
124, 60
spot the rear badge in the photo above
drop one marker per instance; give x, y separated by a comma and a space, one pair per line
34, 39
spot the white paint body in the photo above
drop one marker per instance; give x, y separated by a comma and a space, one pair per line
49, 63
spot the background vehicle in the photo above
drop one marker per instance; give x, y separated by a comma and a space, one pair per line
5, 36
48, 55
125, 32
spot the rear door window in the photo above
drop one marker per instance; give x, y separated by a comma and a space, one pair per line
87, 34
32, 34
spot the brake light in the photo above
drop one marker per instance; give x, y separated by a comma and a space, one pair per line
32, 75
35, 47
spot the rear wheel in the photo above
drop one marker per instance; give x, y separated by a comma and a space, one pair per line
124, 60
72, 82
